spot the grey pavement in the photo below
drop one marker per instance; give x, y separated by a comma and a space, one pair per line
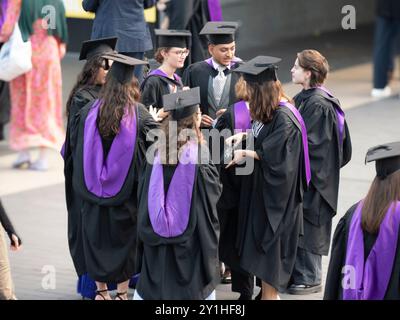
36, 202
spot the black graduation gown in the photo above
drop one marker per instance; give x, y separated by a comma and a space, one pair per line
109, 232
73, 200
333, 288
154, 87
228, 204
270, 217
198, 75
326, 158
186, 266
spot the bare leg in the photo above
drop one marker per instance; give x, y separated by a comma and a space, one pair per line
269, 292
102, 291
122, 290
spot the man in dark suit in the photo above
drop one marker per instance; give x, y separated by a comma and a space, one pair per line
123, 19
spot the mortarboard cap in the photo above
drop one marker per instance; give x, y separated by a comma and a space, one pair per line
123, 66
92, 48
173, 38
182, 104
221, 32
259, 69
386, 157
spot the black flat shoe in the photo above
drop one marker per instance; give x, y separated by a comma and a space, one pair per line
302, 289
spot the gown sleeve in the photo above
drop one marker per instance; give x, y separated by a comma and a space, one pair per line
151, 93
209, 191
320, 121
347, 147
280, 154
6, 223
186, 78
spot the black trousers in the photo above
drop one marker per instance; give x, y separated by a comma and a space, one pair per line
307, 269
242, 282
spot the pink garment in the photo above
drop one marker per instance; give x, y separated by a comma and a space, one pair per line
36, 97
11, 18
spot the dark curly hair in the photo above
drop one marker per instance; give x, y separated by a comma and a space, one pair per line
115, 98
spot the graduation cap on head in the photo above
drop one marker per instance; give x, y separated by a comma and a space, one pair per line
221, 32
173, 38
92, 48
123, 66
259, 69
386, 157
183, 103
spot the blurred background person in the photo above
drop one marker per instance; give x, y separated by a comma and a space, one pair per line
123, 19
192, 15
36, 97
9, 10
6, 283
387, 30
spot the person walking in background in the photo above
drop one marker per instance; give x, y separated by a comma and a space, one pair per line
6, 283
387, 30
36, 97
123, 19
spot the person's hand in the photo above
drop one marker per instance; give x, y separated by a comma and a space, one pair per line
238, 157
206, 121
185, 88
161, 114
15, 243
63, 50
154, 113
236, 139
220, 112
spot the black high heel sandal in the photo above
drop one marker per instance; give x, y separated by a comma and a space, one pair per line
120, 294
100, 293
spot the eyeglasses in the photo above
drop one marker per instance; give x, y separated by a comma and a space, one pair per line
182, 53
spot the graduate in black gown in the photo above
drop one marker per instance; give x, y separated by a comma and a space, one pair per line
235, 119
365, 256
108, 145
270, 212
214, 76
330, 149
178, 223
172, 50
85, 90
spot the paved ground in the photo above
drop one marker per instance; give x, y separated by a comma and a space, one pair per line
36, 202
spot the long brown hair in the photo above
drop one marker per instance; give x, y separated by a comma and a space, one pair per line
263, 98
86, 78
381, 195
116, 97
189, 122
316, 63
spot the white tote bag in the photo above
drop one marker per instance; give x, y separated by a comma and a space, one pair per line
15, 56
